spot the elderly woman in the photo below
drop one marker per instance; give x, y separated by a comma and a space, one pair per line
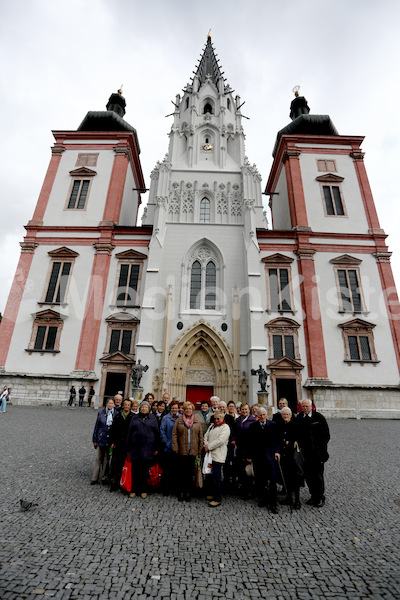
216, 441
118, 433
282, 403
293, 479
187, 443
101, 443
243, 423
168, 480
142, 444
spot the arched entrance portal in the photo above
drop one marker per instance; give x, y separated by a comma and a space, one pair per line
201, 357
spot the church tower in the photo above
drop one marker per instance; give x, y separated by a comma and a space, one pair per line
203, 279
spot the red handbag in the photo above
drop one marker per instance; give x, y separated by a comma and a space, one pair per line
155, 473
126, 475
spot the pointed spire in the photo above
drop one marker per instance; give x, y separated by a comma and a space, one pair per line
208, 65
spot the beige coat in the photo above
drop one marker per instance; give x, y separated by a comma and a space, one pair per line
216, 438
180, 438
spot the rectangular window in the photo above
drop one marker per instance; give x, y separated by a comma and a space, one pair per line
359, 347
326, 165
279, 289
283, 345
333, 200
45, 338
79, 193
58, 282
120, 340
350, 294
128, 285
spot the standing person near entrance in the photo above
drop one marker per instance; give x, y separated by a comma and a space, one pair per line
242, 440
118, 434
72, 396
168, 461
202, 415
143, 442
264, 452
90, 396
277, 417
4, 397
118, 402
187, 443
313, 437
82, 392
101, 442
216, 441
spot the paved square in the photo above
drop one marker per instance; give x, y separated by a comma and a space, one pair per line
84, 542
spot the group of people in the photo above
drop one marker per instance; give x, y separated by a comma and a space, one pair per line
221, 447
81, 394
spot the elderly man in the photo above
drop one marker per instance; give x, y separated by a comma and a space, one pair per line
277, 417
264, 452
118, 403
313, 438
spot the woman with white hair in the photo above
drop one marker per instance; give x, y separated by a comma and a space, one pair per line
292, 477
216, 441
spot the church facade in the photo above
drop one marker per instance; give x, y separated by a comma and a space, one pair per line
203, 292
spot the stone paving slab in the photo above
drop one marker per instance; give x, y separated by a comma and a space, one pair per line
82, 542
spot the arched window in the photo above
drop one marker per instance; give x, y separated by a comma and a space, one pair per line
195, 285
205, 210
187, 103
208, 108
228, 104
211, 280
203, 281
203, 278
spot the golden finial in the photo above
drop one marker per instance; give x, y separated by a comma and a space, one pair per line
120, 89
209, 35
296, 90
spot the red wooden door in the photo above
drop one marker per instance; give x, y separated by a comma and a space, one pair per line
197, 393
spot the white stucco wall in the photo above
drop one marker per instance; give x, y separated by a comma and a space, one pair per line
355, 220
56, 212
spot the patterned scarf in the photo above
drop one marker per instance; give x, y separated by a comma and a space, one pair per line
188, 422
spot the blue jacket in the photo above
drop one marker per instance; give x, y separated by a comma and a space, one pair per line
143, 437
167, 425
101, 431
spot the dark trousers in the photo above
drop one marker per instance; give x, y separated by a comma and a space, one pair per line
168, 478
314, 476
140, 475
81, 400
185, 473
265, 482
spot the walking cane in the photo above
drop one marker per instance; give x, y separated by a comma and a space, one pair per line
284, 486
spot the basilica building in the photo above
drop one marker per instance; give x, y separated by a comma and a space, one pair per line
204, 292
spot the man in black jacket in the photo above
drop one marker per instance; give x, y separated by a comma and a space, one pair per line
313, 438
264, 453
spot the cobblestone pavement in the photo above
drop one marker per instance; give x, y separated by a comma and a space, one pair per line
83, 542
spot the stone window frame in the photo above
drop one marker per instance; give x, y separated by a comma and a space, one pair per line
358, 328
121, 322
206, 203
128, 257
80, 175
208, 101
283, 327
203, 251
63, 256
332, 181
46, 318
349, 263
279, 261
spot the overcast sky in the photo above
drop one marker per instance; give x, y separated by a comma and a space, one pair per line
63, 58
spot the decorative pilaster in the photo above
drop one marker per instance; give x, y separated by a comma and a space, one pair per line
313, 331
